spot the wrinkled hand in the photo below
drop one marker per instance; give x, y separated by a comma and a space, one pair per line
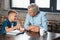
29, 28
33, 28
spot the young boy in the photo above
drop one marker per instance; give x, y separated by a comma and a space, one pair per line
10, 23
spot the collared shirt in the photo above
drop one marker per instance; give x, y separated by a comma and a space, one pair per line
38, 20
8, 24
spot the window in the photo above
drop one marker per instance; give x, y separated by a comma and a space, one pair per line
23, 4
57, 6
19, 4
44, 5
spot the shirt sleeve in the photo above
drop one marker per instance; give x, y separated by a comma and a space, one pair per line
4, 24
44, 21
26, 24
14, 23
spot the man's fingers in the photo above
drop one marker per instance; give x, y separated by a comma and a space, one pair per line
28, 28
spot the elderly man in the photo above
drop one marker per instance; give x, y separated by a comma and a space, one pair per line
35, 20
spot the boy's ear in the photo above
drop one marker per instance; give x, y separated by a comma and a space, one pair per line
7, 16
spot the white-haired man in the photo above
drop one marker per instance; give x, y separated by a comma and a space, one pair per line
35, 19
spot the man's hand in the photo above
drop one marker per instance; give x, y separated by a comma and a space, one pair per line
29, 28
33, 28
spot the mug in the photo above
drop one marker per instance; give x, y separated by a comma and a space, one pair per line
42, 32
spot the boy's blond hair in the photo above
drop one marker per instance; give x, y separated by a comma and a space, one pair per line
12, 11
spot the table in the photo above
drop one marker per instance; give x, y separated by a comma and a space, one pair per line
57, 38
30, 36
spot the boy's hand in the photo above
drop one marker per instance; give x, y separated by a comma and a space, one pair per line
17, 26
21, 29
9, 29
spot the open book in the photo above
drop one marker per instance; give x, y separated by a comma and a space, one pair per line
15, 32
